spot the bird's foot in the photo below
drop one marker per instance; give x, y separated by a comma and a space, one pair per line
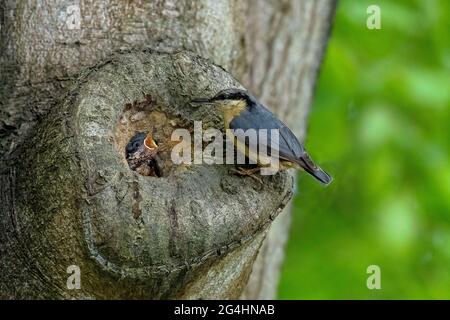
248, 172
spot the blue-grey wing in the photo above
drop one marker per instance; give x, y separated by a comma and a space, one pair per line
259, 117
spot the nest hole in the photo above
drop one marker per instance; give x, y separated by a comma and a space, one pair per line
143, 137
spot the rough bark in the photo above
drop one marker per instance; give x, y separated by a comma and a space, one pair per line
67, 195
285, 43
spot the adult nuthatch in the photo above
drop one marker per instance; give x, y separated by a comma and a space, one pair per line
242, 111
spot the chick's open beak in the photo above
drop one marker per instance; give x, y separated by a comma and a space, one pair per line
149, 143
142, 145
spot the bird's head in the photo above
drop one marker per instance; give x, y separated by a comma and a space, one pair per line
232, 103
227, 97
140, 145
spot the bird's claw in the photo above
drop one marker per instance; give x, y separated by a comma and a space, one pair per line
247, 172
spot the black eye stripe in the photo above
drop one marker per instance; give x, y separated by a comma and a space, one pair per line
232, 94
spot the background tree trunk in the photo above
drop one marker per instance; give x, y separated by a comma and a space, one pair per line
274, 48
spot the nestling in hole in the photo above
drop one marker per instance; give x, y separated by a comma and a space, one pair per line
142, 155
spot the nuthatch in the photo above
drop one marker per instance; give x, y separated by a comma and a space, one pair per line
242, 111
142, 154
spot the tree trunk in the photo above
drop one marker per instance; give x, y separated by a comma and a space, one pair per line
78, 79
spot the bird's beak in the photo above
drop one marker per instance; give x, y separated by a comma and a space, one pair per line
201, 101
149, 143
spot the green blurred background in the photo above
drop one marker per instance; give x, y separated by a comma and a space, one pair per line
380, 125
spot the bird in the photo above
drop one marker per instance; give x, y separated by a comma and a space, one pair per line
241, 110
142, 154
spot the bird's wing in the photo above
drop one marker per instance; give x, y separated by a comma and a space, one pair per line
287, 145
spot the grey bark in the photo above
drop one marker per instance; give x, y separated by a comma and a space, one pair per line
67, 98
286, 41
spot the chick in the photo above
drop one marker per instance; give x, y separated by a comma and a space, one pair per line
142, 155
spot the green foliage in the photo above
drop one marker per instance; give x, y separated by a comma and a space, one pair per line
380, 126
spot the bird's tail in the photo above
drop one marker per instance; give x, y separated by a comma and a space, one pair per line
306, 163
